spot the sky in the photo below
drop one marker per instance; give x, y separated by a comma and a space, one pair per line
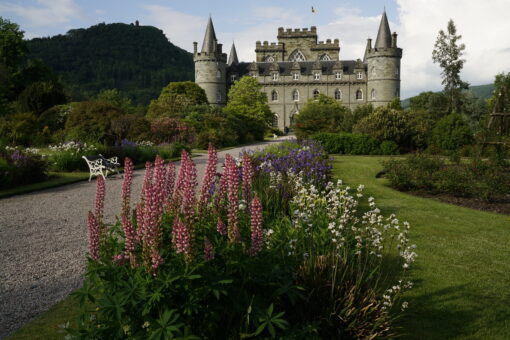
484, 27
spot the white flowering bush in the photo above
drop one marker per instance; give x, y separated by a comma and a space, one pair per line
68, 156
353, 260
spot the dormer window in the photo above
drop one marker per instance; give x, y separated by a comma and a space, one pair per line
275, 76
295, 95
359, 95
295, 76
338, 75
360, 75
317, 76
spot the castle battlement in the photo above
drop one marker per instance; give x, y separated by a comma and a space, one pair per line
297, 32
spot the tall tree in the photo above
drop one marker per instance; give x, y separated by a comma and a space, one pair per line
448, 54
12, 46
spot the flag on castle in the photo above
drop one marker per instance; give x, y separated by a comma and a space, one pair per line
313, 10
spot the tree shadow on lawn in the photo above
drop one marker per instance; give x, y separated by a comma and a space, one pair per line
452, 312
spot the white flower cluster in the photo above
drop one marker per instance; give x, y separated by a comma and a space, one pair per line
145, 143
73, 147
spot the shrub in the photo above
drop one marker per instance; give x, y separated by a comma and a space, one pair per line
389, 147
69, 156
451, 132
348, 143
40, 96
19, 129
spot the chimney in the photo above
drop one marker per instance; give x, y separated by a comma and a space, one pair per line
394, 40
195, 47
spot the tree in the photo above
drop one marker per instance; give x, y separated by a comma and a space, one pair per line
40, 96
451, 132
12, 46
247, 102
176, 99
500, 100
323, 114
116, 98
447, 53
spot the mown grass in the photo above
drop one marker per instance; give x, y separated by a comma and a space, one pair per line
462, 274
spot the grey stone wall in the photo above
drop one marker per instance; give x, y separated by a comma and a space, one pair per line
210, 74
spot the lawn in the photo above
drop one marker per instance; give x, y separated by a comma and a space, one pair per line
462, 274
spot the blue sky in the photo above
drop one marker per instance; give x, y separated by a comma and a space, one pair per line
484, 27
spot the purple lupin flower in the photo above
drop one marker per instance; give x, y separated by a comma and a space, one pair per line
232, 174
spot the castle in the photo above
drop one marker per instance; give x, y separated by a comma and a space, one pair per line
300, 67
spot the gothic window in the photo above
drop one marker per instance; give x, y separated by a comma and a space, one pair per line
324, 57
274, 96
233, 78
359, 95
338, 75
275, 76
373, 94
268, 59
316, 93
218, 74
275, 121
295, 95
297, 55
397, 71
360, 75
338, 94
218, 96
295, 76
317, 76
397, 92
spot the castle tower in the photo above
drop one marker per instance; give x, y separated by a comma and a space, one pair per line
383, 61
211, 67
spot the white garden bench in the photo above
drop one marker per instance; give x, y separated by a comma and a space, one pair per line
102, 166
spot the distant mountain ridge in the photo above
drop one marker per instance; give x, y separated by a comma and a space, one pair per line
481, 91
137, 60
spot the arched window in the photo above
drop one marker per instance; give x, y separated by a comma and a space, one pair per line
233, 78
338, 94
218, 96
324, 57
297, 55
397, 92
275, 76
275, 120
295, 95
317, 76
397, 71
359, 95
373, 94
295, 76
269, 59
218, 74
316, 93
338, 75
274, 96
360, 75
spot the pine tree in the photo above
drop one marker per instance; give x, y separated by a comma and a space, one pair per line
447, 53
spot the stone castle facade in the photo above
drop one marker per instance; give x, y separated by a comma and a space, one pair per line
299, 67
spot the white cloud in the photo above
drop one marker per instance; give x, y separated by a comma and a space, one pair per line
180, 28
48, 13
484, 29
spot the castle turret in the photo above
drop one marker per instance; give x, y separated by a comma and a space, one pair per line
383, 61
232, 57
211, 67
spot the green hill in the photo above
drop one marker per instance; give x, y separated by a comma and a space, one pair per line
137, 60
483, 92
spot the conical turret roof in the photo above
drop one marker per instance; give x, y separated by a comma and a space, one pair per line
367, 49
384, 34
232, 58
209, 44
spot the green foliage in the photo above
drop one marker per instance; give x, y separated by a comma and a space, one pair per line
214, 126
348, 143
323, 114
448, 54
117, 99
176, 99
169, 130
480, 179
40, 96
451, 132
389, 147
91, 121
19, 129
500, 100
136, 60
248, 103
19, 168
434, 103
12, 47
387, 124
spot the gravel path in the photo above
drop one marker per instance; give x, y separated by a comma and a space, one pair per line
43, 241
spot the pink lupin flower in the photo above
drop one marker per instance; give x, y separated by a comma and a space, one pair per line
220, 193
140, 224
179, 184
189, 190
126, 186
257, 236
94, 234
147, 180
170, 180
129, 238
247, 177
100, 194
181, 237
221, 228
209, 176
208, 250
234, 234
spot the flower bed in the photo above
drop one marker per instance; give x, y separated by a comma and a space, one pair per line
218, 265
19, 167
